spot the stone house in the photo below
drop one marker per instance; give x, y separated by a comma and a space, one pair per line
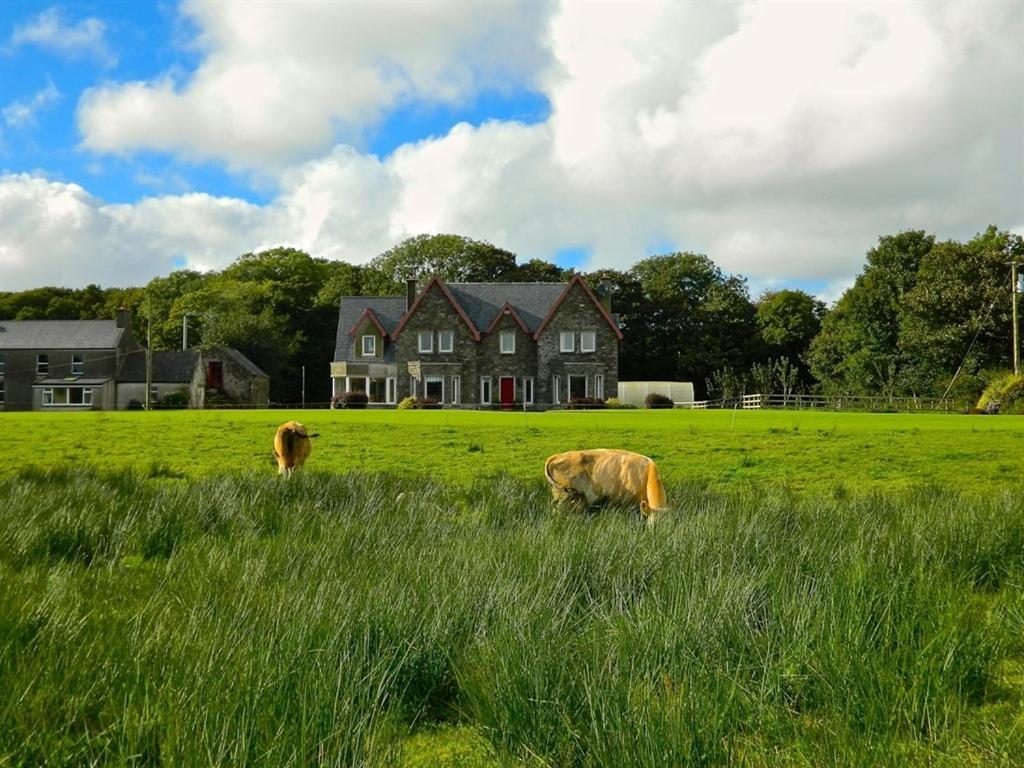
80, 365
220, 375
480, 344
64, 365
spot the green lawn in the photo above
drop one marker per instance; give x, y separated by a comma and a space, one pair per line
803, 450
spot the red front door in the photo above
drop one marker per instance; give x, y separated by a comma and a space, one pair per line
508, 391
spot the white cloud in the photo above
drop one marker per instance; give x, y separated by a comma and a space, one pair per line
281, 81
49, 30
781, 140
23, 112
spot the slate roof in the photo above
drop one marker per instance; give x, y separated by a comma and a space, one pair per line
59, 334
239, 358
175, 367
482, 301
388, 309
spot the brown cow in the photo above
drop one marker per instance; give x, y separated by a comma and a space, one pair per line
292, 446
607, 474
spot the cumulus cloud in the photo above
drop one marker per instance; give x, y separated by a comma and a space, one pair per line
49, 30
22, 112
781, 140
282, 81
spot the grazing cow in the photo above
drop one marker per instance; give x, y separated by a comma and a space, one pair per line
292, 446
607, 474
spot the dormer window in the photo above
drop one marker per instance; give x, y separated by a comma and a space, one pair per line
426, 341
369, 345
508, 342
565, 342
588, 341
446, 341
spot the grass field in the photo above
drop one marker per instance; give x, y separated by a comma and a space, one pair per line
833, 589
802, 450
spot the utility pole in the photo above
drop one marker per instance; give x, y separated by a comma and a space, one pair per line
184, 331
1016, 325
149, 350
303, 387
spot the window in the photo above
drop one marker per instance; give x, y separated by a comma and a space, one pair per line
445, 341
42, 364
369, 346
485, 390
61, 396
154, 393
412, 386
435, 388
1, 391
426, 341
565, 341
599, 386
528, 390
390, 390
588, 341
577, 387
86, 395
47, 396
77, 365
215, 374
556, 385
508, 342
1, 363
456, 387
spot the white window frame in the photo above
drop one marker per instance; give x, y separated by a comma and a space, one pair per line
502, 337
556, 396
599, 385
429, 337
389, 390
154, 393
86, 395
42, 364
485, 381
456, 389
527, 390
561, 341
441, 339
426, 389
593, 341
372, 346
77, 365
2, 362
47, 395
412, 386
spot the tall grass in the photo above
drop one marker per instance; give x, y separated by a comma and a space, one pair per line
324, 620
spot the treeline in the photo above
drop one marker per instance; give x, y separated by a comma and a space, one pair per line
918, 310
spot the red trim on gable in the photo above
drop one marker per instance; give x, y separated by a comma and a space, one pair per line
508, 309
593, 298
373, 317
451, 300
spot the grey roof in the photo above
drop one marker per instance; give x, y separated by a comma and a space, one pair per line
483, 301
388, 309
174, 367
68, 381
239, 358
59, 334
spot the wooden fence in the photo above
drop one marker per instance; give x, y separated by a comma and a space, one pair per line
864, 403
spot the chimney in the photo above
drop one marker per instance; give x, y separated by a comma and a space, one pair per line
604, 293
124, 317
410, 293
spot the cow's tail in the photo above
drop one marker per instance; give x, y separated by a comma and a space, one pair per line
547, 469
655, 496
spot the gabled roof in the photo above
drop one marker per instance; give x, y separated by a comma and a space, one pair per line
509, 310
485, 301
387, 309
170, 367
59, 334
369, 313
446, 291
576, 279
239, 358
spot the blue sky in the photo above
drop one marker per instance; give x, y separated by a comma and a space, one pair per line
780, 139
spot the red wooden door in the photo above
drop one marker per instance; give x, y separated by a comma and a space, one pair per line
508, 391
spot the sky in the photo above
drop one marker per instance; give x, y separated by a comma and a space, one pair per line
780, 139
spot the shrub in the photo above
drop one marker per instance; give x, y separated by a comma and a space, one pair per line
655, 400
134, 405
416, 403
407, 404
1003, 395
350, 400
614, 402
178, 399
427, 402
580, 403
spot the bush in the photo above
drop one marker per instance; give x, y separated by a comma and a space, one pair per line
614, 402
581, 403
655, 400
416, 403
178, 399
1004, 395
350, 400
134, 405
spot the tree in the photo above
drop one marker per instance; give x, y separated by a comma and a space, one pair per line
453, 258
788, 320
